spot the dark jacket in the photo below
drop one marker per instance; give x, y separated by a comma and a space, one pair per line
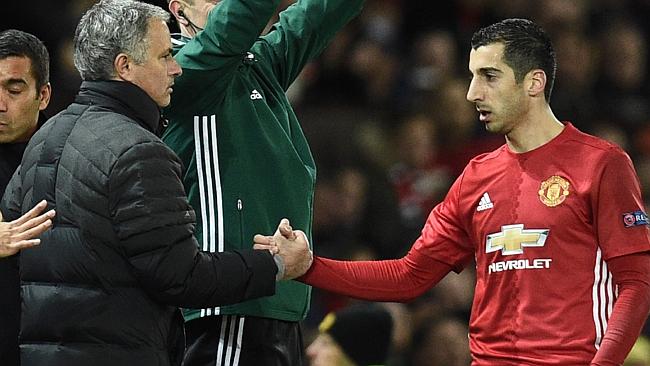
103, 286
10, 157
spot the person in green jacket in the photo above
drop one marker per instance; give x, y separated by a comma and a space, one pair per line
247, 162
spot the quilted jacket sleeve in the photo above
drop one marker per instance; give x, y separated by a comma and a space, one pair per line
154, 225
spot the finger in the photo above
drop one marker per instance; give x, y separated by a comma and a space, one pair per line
23, 244
301, 234
272, 248
262, 239
286, 230
36, 221
33, 232
35, 211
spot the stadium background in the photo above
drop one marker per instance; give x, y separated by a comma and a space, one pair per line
384, 109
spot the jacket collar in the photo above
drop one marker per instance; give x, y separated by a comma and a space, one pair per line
178, 41
42, 118
124, 98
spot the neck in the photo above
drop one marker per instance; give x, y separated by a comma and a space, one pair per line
536, 128
190, 30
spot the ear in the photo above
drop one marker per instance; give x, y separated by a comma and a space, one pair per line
175, 7
536, 82
123, 67
44, 96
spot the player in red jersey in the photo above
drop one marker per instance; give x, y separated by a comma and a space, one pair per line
553, 219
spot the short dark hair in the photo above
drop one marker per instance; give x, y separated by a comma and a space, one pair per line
22, 44
527, 47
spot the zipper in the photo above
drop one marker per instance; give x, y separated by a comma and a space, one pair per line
240, 207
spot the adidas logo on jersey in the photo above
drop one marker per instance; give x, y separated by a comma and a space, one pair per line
485, 203
256, 95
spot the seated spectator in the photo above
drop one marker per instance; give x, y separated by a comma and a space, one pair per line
358, 335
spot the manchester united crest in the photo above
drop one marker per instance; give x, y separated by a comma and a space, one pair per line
554, 191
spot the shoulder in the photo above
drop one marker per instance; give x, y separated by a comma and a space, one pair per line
594, 148
488, 158
106, 137
588, 141
114, 128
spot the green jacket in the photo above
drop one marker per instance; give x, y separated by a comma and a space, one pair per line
247, 162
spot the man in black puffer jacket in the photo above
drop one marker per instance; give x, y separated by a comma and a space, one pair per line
103, 286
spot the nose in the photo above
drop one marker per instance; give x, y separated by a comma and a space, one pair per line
174, 69
474, 91
3, 101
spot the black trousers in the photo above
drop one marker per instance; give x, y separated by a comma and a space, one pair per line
234, 340
9, 311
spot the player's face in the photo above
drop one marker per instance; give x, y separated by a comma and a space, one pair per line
157, 73
20, 100
324, 351
498, 98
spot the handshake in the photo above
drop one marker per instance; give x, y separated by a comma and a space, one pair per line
290, 250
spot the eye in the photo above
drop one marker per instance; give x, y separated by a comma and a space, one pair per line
15, 92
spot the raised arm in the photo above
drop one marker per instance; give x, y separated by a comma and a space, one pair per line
210, 59
302, 33
231, 28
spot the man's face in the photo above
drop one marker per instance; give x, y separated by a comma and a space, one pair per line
20, 101
324, 351
499, 99
157, 73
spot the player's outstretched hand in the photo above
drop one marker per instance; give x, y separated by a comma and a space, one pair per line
291, 247
23, 232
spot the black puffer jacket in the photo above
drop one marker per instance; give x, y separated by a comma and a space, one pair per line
101, 287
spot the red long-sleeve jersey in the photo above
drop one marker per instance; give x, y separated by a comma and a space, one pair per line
541, 227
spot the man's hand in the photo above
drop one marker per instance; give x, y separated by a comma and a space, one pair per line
23, 232
290, 246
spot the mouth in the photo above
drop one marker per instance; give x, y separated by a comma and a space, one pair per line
483, 114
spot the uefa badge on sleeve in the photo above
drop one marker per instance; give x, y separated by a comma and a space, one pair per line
636, 218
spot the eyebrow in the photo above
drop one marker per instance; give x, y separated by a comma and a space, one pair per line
14, 81
485, 70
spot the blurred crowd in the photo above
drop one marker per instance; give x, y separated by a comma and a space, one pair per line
385, 112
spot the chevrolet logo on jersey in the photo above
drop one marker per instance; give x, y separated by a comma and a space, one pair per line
513, 238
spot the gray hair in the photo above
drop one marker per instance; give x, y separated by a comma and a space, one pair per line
109, 28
